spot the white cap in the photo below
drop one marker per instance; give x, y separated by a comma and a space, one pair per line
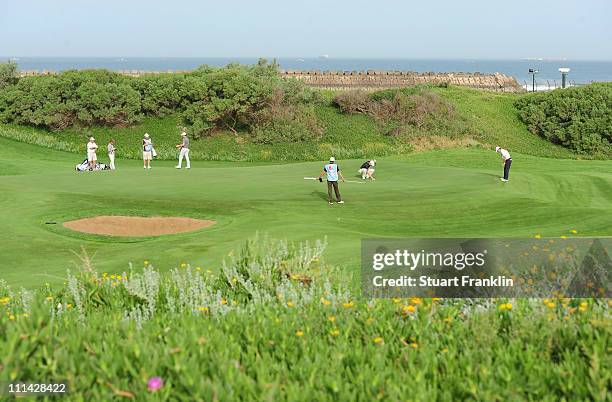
146, 135
497, 149
92, 139
332, 159
183, 134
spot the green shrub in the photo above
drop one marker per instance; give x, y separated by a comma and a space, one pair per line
579, 118
411, 110
8, 74
274, 323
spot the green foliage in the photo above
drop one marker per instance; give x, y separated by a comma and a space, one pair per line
236, 98
579, 118
275, 324
8, 74
417, 111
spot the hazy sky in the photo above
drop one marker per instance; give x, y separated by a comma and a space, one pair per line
576, 29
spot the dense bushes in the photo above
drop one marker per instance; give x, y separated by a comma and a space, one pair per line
579, 118
412, 110
8, 74
253, 99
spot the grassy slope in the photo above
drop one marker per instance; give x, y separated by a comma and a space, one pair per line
459, 187
491, 117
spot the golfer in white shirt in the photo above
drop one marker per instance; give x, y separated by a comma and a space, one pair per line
507, 162
92, 159
184, 147
111, 153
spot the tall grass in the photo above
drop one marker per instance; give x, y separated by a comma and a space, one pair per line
275, 323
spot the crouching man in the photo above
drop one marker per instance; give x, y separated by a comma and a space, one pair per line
332, 171
367, 169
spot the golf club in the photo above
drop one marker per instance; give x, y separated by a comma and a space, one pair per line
346, 181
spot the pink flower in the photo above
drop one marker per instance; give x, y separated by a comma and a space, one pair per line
155, 383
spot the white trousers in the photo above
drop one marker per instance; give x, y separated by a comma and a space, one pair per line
112, 161
184, 154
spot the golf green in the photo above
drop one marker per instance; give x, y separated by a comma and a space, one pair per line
435, 194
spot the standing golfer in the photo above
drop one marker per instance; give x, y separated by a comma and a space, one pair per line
147, 151
92, 159
507, 162
332, 171
184, 147
111, 153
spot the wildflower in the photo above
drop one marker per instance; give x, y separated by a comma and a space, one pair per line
538, 236
583, 307
299, 333
348, 304
4, 300
334, 332
146, 262
183, 265
68, 306
445, 350
203, 309
416, 300
290, 304
155, 383
435, 299
198, 269
450, 319
564, 237
223, 301
378, 340
49, 298
408, 309
370, 320
414, 345
574, 231
331, 318
505, 306
396, 300
11, 317
551, 305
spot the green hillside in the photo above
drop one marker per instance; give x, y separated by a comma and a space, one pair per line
491, 119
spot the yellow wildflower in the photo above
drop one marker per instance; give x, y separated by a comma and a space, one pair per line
348, 304
290, 304
331, 318
299, 333
334, 332
574, 231
325, 302
408, 309
203, 309
538, 236
378, 340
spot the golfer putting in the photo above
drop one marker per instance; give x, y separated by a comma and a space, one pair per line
332, 171
184, 153
506, 161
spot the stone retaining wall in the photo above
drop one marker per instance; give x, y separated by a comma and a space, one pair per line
398, 79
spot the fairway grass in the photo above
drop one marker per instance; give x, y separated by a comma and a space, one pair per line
450, 193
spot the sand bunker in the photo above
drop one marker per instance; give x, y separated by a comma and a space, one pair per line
136, 226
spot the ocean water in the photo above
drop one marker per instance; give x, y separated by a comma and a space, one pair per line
582, 72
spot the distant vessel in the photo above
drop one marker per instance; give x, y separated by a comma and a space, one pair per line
300, 60
324, 56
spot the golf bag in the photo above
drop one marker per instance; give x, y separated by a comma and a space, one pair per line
84, 166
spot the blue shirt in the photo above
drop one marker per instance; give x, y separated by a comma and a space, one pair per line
332, 171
